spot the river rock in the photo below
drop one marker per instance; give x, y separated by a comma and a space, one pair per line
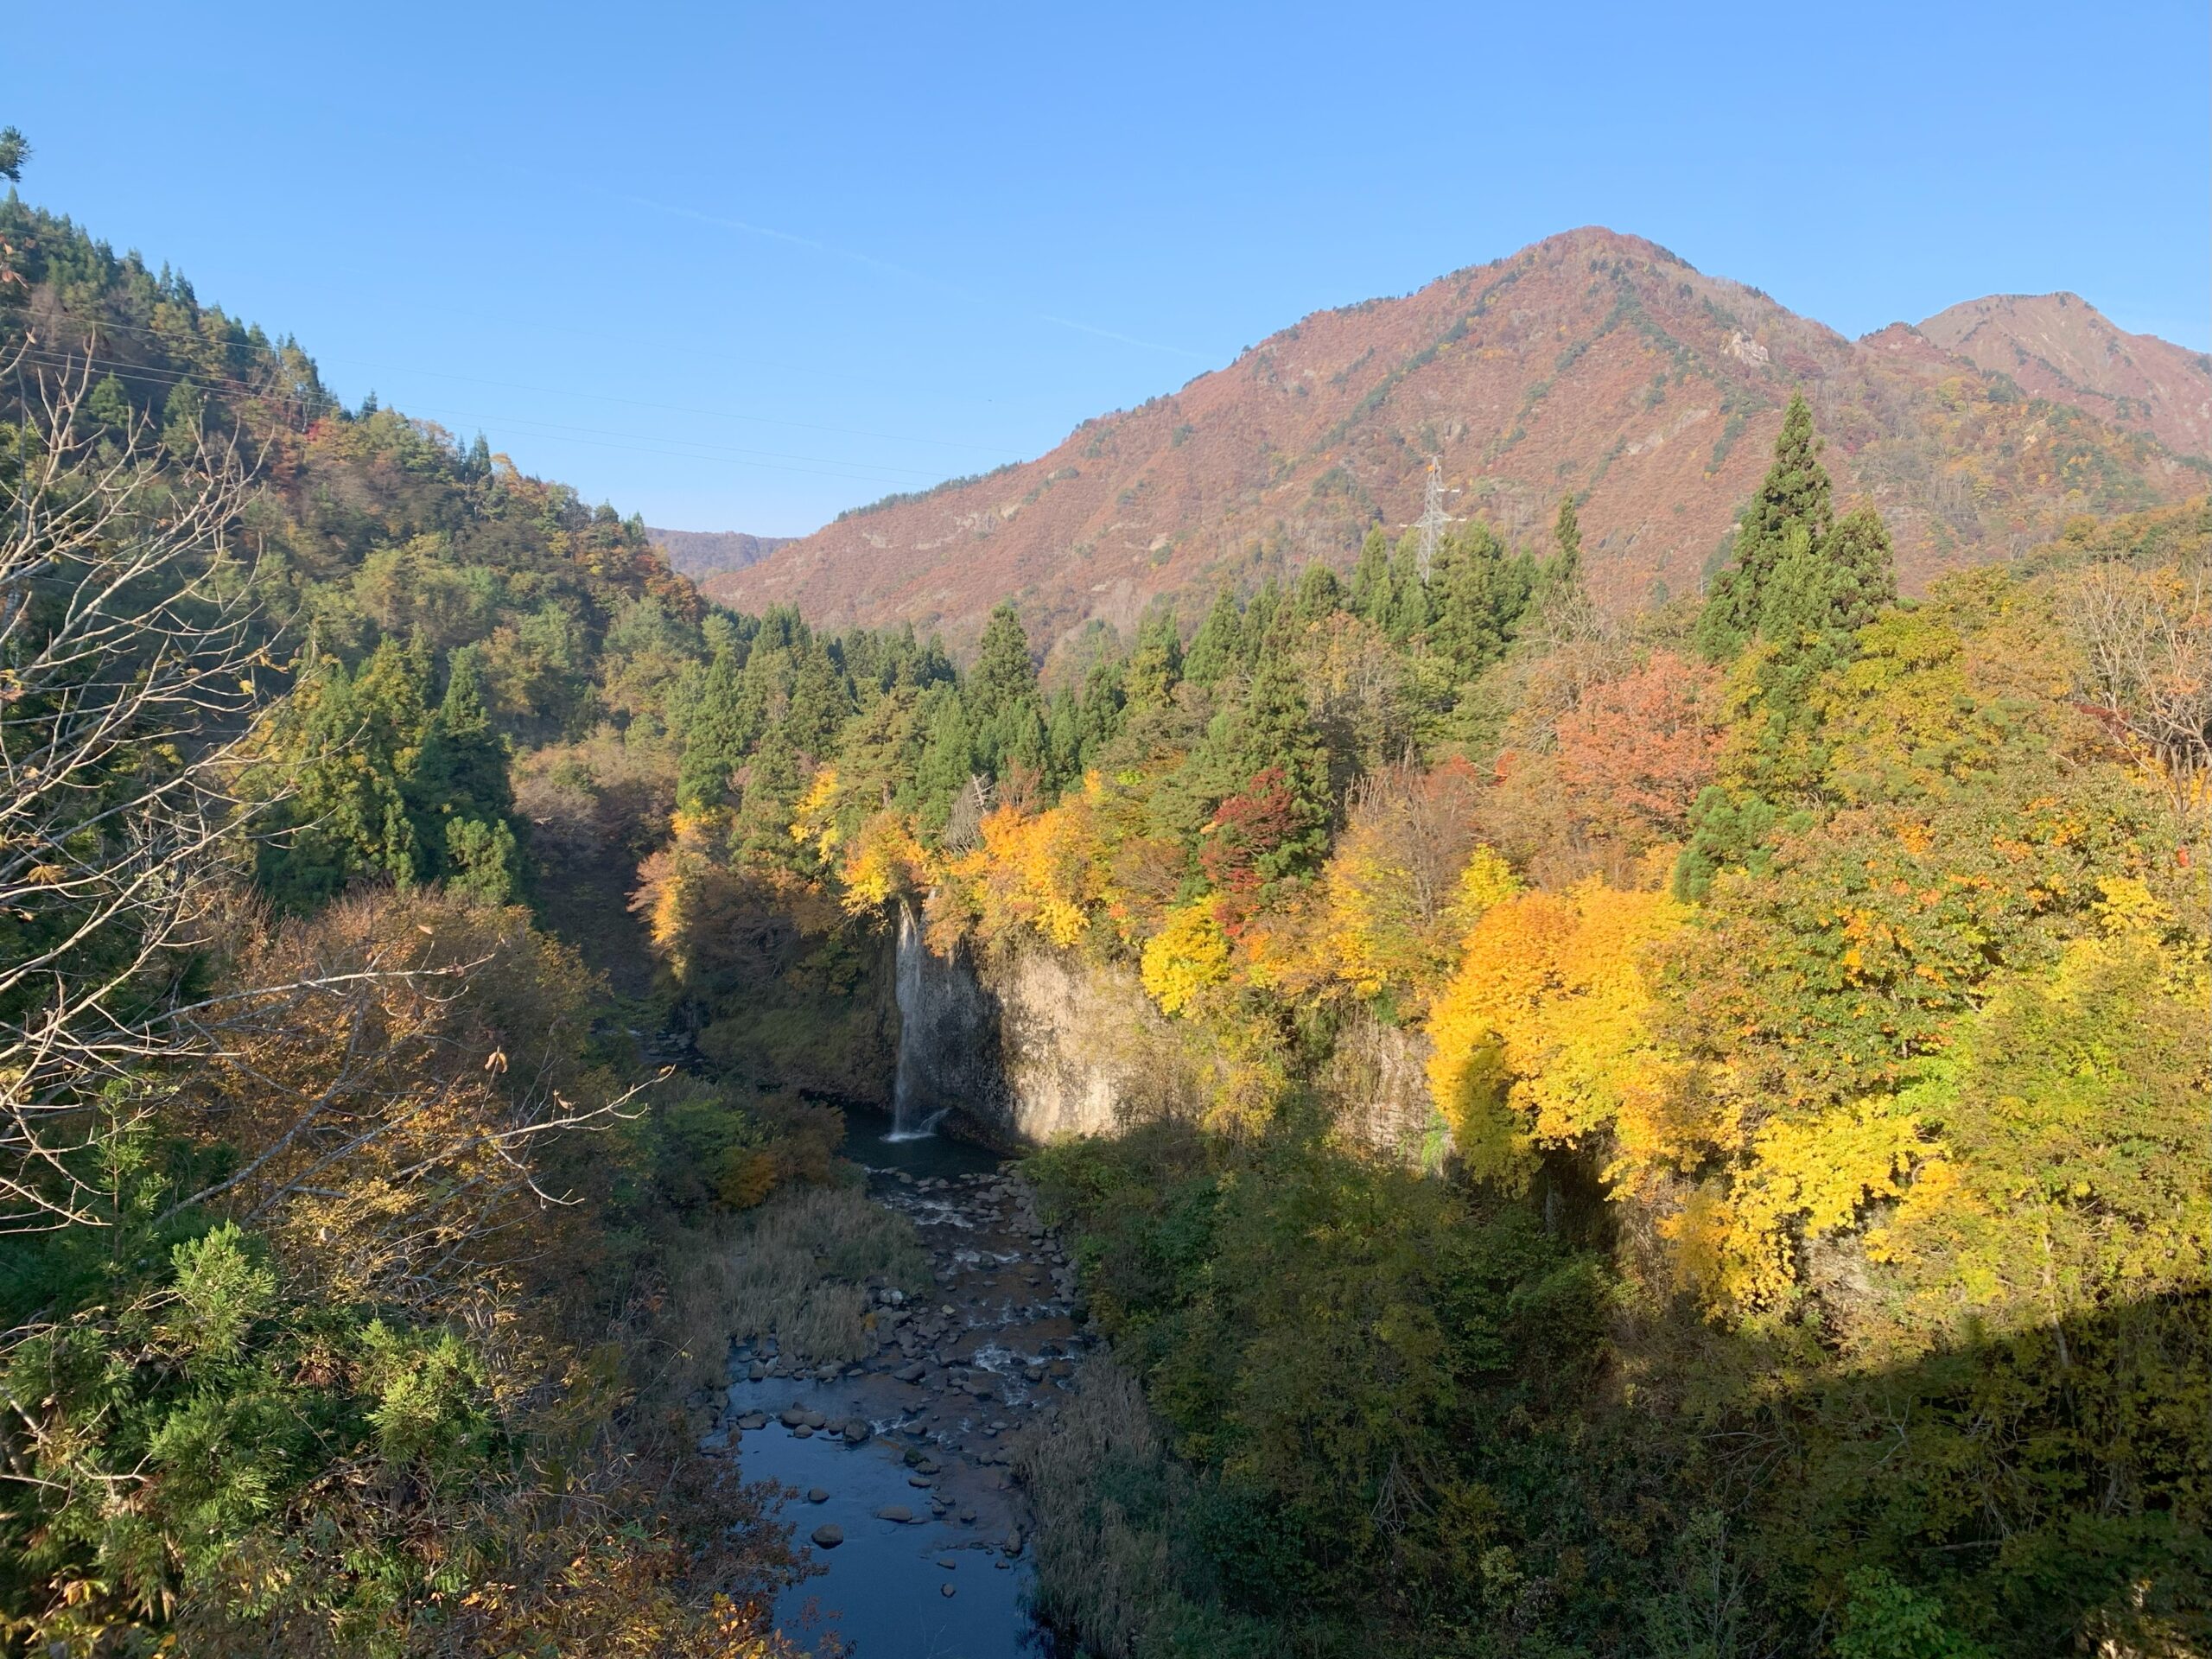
1013, 1544
946, 1589
817, 1495
856, 1432
829, 1536
898, 1512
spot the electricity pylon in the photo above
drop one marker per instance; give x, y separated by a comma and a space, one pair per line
1432, 517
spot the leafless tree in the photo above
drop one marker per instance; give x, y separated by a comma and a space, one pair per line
2147, 635
128, 648
132, 634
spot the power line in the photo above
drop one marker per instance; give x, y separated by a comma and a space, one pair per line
168, 337
594, 437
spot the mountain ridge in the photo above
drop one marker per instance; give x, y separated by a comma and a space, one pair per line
702, 553
2061, 346
1591, 362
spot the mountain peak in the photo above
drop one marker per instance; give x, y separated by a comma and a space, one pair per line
2059, 346
1592, 362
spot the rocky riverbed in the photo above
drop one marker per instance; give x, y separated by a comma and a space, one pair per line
900, 1463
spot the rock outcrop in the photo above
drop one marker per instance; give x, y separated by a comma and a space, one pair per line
1020, 1048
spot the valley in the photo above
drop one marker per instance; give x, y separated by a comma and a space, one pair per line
1155, 1053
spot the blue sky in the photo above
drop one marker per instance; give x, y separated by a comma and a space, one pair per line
738, 267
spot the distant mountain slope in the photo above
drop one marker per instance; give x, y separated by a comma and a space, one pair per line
2059, 346
1591, 362
699, 553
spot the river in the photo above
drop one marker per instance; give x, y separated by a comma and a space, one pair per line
899, 1467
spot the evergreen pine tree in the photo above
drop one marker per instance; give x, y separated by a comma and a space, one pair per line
1370, 579
1318, 595
1273, 731
948, 756
820, 699
462, 773
1219, 643
1795, 492
1478, 597
1566, 539
715, 733
1156, 666
1100, 716
1408, 614
1003, 676
1259, 621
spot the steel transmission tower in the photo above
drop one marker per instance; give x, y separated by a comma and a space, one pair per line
1432, 517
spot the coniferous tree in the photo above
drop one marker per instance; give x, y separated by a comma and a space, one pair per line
1259, 620
351, 744
1063, 742
1478, 597
1155, 667
1219, 644
1100, 715
1796, 493
1004, 676
1273, 734
1318, 595
947, 755
718, 729
1371, 592
820, 699
1838, 588
1566, 539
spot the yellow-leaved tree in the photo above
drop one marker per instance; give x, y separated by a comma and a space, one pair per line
1545, 1035
1188, 956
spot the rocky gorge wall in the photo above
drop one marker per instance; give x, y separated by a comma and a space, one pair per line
1021, 1047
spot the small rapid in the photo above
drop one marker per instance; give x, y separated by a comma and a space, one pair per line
901, 1466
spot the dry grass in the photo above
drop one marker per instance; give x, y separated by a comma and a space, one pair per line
794, 1269
1101, 1572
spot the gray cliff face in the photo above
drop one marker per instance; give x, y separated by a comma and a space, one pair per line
1020, 1048
949, 1060
1377, 1079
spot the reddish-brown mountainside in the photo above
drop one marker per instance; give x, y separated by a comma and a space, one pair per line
1590, 362
699, 553
2059, 346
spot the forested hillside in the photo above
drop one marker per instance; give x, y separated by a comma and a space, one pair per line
2058, 346
699, 553
343, 1281
1811, 1256
1804, 1250
1590, 361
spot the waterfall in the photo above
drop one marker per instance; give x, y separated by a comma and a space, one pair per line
908, 1121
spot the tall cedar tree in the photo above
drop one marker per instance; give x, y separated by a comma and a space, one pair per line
1796, 494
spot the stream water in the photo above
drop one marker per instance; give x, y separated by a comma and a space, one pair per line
899, 1466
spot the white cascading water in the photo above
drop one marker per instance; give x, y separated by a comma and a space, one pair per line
907, 1122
